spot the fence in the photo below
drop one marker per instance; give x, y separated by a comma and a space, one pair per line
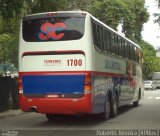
9, 97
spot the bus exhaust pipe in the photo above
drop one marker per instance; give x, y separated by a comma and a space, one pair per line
34, 109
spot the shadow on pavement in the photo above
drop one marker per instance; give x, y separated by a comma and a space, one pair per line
76, 121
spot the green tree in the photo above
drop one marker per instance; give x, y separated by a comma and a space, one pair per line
133, 22
8, 48
11, 12
78, 5
9, 31
131, 14
149, 54
158, 3
157, 64
110, 12
37, 6
16, 8
10, 8
157, 15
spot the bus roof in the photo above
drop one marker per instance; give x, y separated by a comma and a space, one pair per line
43, 13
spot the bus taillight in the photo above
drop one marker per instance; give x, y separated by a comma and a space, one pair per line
20, 83
88, 82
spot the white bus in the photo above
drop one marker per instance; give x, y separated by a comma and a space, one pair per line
72, 63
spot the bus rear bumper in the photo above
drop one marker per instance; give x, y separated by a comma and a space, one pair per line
57, 105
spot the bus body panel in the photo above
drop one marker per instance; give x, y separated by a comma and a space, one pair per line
50, 80
54, 62
63, 85
57, 105
53, 74
115, 75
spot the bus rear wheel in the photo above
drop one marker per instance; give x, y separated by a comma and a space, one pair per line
136, 103
105, 115
114, 106
51, 117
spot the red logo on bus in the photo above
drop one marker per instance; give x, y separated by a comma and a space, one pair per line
48, 31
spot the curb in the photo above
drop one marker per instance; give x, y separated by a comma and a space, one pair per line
10, 113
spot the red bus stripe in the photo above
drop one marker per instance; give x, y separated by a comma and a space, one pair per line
96, 73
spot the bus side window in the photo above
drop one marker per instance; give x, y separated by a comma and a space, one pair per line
134, 53
108, 37
101, 38
123, 47
94, 28
112, 43
104, 40
128, 51
137, 52
98, 31
132, 50
116, 45
120, 47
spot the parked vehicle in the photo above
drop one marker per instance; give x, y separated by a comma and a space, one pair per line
156, 78
7, 69
149, 84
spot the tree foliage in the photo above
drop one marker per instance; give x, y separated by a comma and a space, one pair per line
110, 12
77, 5
11, 12
10, 8
158, 3
131, 14
157, 15
149, 54
152, 63
37, 6
133, 22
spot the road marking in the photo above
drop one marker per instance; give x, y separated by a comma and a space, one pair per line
149, 97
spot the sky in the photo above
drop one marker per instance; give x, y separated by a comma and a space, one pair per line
151, 31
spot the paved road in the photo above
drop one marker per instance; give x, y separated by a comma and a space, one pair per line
144, 117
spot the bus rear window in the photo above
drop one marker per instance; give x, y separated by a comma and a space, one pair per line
57, 28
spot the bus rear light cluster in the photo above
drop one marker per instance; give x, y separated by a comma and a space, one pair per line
20, 84
88, 82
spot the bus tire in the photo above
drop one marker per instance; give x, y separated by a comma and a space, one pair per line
106, 114
114, 106
136, 103
51, 117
